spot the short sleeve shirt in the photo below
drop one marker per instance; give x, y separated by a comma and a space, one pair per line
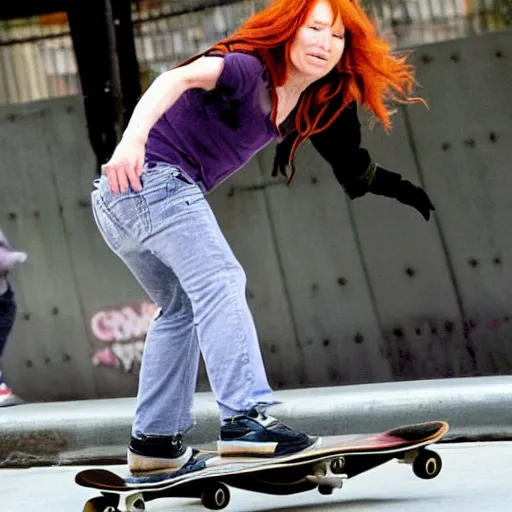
212, 134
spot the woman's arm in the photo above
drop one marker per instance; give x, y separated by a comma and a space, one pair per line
127, 162
167, 89
340, 146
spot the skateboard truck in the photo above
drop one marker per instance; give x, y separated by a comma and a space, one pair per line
132, 502
328, 475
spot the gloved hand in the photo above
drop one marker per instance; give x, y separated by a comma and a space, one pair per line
8, 256
416, 197
391, 184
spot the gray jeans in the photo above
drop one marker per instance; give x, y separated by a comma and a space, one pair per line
169, 238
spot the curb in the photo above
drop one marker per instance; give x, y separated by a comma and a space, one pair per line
97, 431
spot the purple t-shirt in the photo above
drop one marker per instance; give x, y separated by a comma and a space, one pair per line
212, 134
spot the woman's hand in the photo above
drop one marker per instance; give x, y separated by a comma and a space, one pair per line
123, 170
8, 256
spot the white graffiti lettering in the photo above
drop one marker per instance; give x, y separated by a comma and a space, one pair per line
123, 356
128, 353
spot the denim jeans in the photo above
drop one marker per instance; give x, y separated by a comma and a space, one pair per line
169, 238
7, 316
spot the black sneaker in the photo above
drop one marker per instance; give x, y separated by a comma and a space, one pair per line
150, 453
257, 434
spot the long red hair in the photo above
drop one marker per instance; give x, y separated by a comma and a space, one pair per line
368, 72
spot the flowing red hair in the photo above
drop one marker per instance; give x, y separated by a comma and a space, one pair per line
368, 72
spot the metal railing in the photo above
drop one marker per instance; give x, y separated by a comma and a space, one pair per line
409, 23
37, 59
169, 34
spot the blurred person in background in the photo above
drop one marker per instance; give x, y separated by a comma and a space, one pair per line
9, 258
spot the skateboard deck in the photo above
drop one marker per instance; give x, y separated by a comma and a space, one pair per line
325, 465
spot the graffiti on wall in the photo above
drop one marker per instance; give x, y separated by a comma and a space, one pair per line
122, 332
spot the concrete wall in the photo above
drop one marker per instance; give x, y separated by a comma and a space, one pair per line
342, 292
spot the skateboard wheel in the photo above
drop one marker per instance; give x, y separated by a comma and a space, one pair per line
326, 490
427, 465
337, 465
215, 496
102, 504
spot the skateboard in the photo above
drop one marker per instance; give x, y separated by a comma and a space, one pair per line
325, 465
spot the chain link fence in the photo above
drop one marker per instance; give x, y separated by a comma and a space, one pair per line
37, 59
168, 34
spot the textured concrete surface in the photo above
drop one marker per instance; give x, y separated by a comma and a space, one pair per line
78, 432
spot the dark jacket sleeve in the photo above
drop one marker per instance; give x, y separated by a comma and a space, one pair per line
340, 146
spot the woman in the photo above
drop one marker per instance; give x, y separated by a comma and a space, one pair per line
194, 127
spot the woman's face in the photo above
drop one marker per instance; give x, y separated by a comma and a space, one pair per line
318, 45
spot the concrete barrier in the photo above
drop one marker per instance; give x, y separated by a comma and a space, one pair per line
388, 297
98, 430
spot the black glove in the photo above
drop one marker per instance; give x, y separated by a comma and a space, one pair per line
391, 184
416, 197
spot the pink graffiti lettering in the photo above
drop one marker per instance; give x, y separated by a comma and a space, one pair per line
123, 324
106, 358
124, 329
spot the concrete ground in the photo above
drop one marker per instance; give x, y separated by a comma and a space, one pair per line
475, 477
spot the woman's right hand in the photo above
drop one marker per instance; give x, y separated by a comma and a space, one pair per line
123, 170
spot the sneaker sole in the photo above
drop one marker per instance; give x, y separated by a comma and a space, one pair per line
246, 448
10, 400
141, 463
